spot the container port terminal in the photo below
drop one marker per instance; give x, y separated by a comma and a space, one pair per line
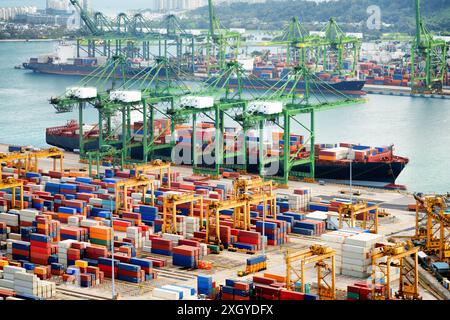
219, 190
396, 221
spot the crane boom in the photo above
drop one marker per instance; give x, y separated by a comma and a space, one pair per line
418, 22
85, 17
212, 18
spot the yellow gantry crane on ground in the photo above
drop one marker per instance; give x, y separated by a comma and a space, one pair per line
170, 204
19, 160
253, 191
255, 185
433, 226
269, 200
213, 217
53, 153
154, 166
324, 259
121, 188
388, 256
359, 215
11, 183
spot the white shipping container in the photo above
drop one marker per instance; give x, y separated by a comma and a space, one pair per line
185, 290
26, 277
11, 220
127, 96
247, 64
317, 215
81, 92
364, 239
265, 107
5, 283
355, 274
356, 262
165, 294
197, 102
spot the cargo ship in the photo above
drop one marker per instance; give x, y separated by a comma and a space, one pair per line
332, 160
352, 87
260, 75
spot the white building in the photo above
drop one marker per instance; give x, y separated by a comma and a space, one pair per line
164, 5
7, 14
65, 5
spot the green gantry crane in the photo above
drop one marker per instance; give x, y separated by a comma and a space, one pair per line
338, 44
222, 99
428, 59
237, 106
293, 35
293, 105
152, 93
134, 36
220, 42
330, 49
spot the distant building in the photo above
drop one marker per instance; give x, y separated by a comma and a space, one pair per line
246, 1
56, 13
47, 19
165, 5
61, 6
8, 14
57, 5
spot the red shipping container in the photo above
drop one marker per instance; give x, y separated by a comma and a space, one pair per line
189, 242
20, 252
291, 295
185, 250
242, 286
40, 250
37, 244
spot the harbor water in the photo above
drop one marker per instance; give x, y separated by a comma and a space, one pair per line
419, 127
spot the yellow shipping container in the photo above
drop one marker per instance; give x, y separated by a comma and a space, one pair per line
81, 264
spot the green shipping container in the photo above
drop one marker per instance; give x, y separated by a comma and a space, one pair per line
105, 243
353, 295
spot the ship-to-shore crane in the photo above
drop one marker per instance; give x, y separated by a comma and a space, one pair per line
428, 59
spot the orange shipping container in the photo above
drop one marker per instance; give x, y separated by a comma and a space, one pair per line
328, 158
276, 277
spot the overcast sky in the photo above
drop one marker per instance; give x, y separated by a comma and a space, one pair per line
104, 5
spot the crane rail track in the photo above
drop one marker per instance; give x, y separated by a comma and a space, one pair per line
425, 284
72, 293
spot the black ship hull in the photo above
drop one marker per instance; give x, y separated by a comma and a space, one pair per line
348, 86
361, 171
252, 82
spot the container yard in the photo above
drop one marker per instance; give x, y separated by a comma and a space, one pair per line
57, 237
212, 192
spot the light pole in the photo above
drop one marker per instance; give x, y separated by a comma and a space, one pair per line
264, 224
113, 287
351, 174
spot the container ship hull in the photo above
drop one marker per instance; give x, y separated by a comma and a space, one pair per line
59, 69
328, 170
367, 171
354, 87
252, 82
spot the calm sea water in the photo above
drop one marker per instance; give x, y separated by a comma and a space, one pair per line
419, 128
